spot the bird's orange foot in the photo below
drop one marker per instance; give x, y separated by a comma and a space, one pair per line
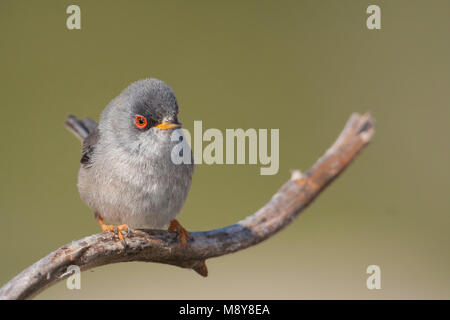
117, 230
180, 231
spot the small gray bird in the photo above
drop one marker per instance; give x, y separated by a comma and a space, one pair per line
127, 176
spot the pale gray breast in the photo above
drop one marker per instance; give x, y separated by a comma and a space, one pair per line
143, 192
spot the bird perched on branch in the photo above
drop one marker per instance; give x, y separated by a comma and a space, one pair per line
127, 176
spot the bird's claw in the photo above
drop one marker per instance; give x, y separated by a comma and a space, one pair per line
116, 230
181, 232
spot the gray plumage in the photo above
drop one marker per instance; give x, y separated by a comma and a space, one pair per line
80, 128
127, 175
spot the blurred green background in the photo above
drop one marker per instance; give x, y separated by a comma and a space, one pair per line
301, 66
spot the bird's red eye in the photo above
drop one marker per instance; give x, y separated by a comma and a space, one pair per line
140, 121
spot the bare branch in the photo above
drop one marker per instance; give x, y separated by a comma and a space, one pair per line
163, 247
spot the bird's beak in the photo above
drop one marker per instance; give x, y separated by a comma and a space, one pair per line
168, 125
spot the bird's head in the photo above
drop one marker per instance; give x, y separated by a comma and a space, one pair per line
142, 117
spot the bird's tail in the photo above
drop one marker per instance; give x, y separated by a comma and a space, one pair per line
81, 128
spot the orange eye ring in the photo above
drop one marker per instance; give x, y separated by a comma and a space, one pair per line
140, 121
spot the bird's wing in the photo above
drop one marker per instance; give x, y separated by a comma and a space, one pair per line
88, 148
